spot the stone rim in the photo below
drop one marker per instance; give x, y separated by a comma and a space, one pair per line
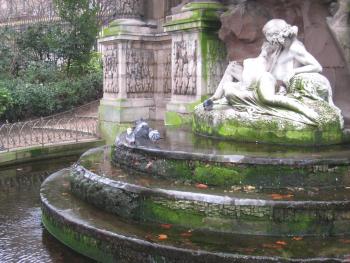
133, 243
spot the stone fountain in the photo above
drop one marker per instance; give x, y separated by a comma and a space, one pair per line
260, 173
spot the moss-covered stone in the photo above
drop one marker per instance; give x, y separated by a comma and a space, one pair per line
158, 213
113, 29
173, 118
110, 130
228, 174
83, 244
226, 123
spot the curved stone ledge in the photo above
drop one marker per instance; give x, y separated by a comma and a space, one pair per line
229, 170
105, 238
219, 213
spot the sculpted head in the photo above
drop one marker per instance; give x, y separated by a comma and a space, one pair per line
279, 32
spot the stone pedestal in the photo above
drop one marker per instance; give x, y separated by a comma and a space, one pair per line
136, 61
198, 57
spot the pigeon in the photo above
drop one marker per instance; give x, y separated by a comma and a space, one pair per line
208, 105
154, 135
130, 136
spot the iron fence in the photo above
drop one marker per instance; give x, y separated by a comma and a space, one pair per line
47, 131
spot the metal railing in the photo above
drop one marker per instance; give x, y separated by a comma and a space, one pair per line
45, 131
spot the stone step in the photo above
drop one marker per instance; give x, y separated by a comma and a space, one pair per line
108, 238
98, 161
185, 156
251, 211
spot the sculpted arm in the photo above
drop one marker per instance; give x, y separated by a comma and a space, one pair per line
308, 64
233, 73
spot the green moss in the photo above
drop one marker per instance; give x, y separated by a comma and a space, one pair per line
217, 175
174, 168
213, 52
204, 5
113, 29
202, 17
80, 243
158, 213
268, 132
177, 119
226, 174
38, 152
109, 130
190, 107
303, 224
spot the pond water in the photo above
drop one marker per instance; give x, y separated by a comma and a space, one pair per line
22, 236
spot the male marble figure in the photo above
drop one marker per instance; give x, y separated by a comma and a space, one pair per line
267, 83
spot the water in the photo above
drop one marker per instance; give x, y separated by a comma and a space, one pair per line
22, 236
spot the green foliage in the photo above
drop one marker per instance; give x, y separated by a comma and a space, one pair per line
5, 99
9, 53
78, 39
41, 99
35, 41
48, 68
94, 65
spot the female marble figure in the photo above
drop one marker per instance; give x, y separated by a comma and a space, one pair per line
282, 64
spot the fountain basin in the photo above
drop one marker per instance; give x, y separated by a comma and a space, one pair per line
184, 156
107, 238
147, 198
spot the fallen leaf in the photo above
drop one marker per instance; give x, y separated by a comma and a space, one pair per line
65, 194
344, 241
162, 237
297, 238
272, 246
282, 243
236, 188
149, 165
249, 250
166, 226
280, 197
249, 188
201, 186
144, 181
186, 234
149, 237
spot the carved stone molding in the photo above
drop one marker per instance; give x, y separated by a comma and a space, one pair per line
139, 71
185, 67
129, 9
216, 64
110, 63
167, 75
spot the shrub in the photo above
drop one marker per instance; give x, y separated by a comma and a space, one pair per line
42, 99
5, 99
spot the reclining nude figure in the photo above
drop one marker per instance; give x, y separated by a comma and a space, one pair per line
283, 58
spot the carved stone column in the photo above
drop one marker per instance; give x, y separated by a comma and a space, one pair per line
132, 9
339, 24
198, 56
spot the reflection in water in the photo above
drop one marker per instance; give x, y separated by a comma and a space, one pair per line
22, 237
